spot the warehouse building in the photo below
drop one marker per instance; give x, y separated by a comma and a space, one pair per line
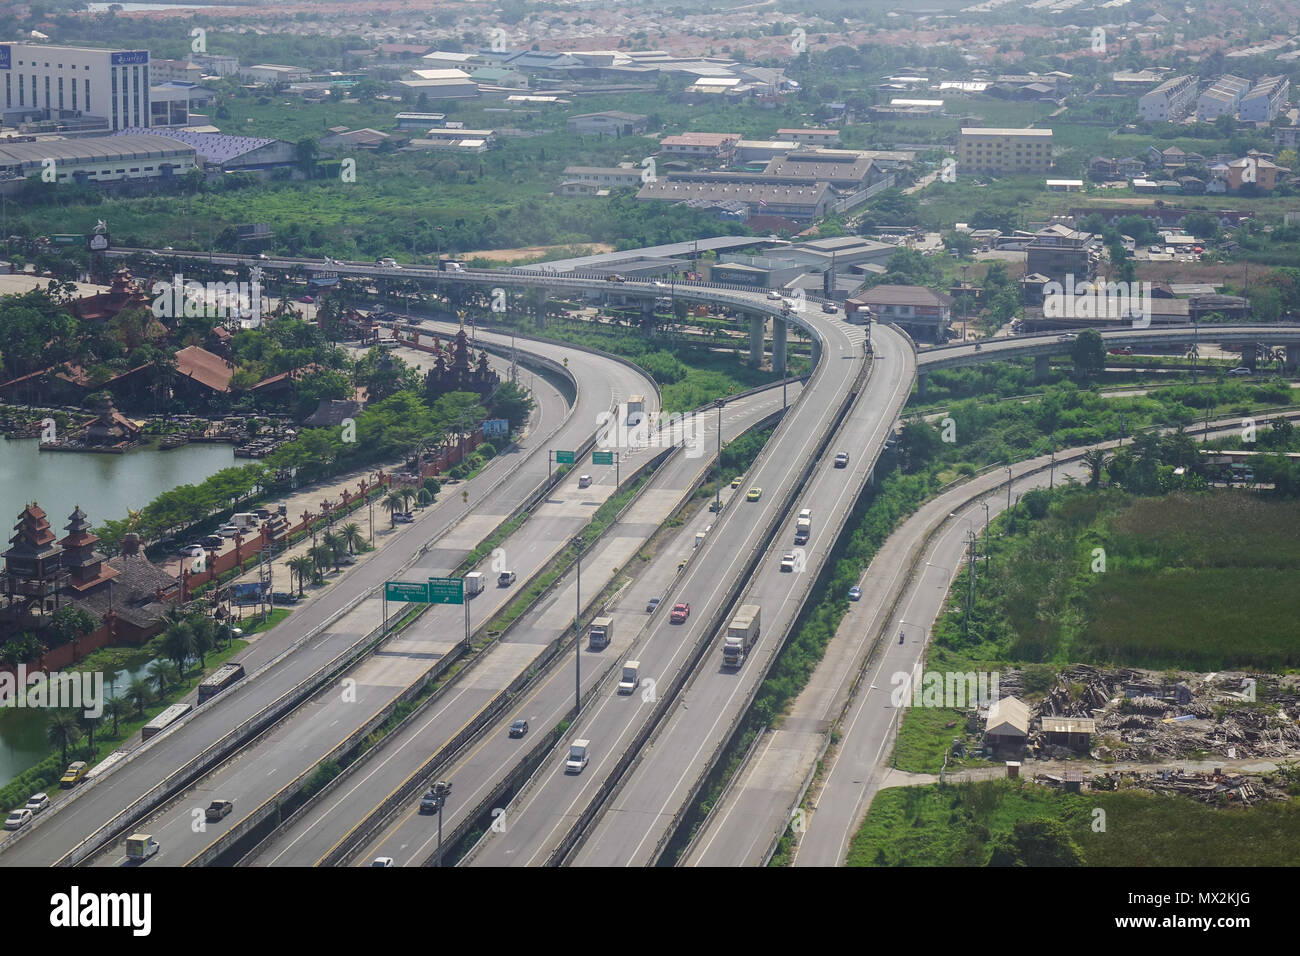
232, 154
140, 155
792, 202
54, 83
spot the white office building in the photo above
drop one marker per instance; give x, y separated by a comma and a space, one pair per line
1170, 101
53, 83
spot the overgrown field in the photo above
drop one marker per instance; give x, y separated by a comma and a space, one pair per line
1014, 823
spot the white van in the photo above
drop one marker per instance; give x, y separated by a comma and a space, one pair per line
245, 521
577, 761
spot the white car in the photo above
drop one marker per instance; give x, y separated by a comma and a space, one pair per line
38, 802
18, 819
1240, 370
774, 296
584, 481
382, 861
787, 562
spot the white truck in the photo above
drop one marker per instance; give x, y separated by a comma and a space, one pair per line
139, 847
473, 583
600, 633
803, 526
577, 760
742, 634
627, 684
245, 521
635, 409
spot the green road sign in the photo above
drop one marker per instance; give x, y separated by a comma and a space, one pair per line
564, 458
602, 458
67, 240
446, 591
406, 591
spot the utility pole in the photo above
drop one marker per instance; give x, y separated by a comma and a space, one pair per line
986, 535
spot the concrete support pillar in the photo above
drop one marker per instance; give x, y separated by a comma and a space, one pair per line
756, 324
1292, 358
922, 384
779, 330
1042, 367
647, 314
1248, 355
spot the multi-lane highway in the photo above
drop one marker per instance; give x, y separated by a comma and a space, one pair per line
546, 626
658, 790
554, 805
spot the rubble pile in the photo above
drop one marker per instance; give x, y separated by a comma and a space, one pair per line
1217, 787
1148, 716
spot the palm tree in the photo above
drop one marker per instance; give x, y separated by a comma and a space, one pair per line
161, 677
321, 557
205, 638
178, 646
1097, 460
62, 731
301, 567
353, 537
424, 499
88, 723
408, 495
337, 546
392, 503
139, 694
117, 709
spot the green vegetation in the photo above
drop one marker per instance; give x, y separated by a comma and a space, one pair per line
126, 713
1013, 823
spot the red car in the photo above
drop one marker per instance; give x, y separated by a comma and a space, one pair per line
680, 613
1126, 350
308, 299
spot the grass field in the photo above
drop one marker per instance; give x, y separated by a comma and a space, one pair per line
955, 826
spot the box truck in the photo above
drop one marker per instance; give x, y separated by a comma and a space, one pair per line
577, 761
473, 583
628, 683
803, 526
600, 633
742, 633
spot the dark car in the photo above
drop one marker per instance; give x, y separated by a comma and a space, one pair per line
218, 809
283, 597
652, 605
842, 460
519, 728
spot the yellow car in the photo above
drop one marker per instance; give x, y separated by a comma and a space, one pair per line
72, 776
754, 494
735, 482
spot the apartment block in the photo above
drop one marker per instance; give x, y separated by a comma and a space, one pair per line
1001, 151
1222, 98
1265, 100
1170, 101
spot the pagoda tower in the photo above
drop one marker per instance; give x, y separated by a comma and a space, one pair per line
34, 571
86, 567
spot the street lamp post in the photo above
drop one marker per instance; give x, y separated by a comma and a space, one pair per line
441, 791
577, 635
986, 535
717, 500
1008, 489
